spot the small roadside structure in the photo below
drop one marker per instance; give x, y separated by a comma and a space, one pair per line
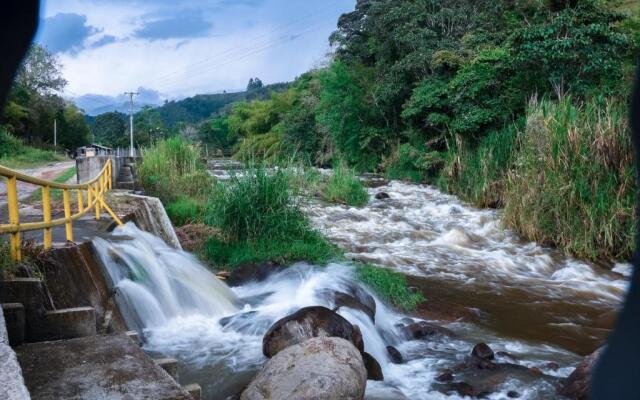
93, 150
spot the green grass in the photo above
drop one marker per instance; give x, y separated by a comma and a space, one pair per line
389, 285
56, 194
344, 187
260, 216
312, 248
184, 211
573, 184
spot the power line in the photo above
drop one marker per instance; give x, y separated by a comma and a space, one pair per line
319, 12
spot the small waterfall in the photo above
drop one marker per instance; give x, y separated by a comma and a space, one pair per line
156, 283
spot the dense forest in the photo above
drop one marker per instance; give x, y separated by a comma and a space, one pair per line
514, 104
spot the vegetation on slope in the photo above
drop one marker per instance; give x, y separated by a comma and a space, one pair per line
14, 154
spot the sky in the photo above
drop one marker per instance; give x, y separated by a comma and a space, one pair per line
176, 48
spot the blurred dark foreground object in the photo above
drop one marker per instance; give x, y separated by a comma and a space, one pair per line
18, 23
617, 375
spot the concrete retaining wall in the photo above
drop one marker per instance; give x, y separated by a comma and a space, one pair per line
11, 383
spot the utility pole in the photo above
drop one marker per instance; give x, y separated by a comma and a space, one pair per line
55, 135
131, 94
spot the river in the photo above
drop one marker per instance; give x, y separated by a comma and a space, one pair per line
542, 308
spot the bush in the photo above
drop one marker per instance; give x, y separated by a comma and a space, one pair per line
573, 184
184, 211
390, 286
344, 187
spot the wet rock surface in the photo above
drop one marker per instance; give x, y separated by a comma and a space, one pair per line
382, 196
422, 330
307, 323
394, 355
346, 300
374, 370
576, 386
253, 272
328, 368
479, 376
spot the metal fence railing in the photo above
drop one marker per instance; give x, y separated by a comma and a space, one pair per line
94, 191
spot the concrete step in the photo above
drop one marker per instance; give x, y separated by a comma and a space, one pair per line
96, 367
169, 365
194, 390
69, 323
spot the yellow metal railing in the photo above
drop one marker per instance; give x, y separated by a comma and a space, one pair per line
95, 189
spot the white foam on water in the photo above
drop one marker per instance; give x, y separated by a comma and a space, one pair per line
422, 231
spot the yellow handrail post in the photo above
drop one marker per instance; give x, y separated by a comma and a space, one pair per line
14, 217
97, 194
80, 201
46, 211
96, 189
89, 196
67, 214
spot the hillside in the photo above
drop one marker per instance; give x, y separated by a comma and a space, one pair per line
197, 108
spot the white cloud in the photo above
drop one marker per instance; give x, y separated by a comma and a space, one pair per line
276, 41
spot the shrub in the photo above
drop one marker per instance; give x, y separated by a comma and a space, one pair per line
389, 285
184, 211
405, 164
344, 187
573, 184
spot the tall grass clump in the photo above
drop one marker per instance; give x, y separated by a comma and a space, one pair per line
344, 187
573, 183
477, 173
260, 216
171, 169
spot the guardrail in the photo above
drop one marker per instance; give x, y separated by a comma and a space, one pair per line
95, 189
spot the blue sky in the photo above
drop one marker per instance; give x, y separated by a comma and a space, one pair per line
180, 48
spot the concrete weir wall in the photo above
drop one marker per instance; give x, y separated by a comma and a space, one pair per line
89, 167
62, 334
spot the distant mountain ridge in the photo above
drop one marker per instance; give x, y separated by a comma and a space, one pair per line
202, 106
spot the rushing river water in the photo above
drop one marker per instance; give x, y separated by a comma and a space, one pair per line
529, 301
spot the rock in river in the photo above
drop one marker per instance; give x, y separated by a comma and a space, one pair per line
423, 329
323, 368
374, 370
576, 386
306, 323
253, 272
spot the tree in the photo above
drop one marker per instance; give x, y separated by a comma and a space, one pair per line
254, 84
73, 130
40, 72
109, 129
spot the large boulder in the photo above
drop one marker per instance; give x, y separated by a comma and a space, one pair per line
576, 385
323, 368
307, 323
